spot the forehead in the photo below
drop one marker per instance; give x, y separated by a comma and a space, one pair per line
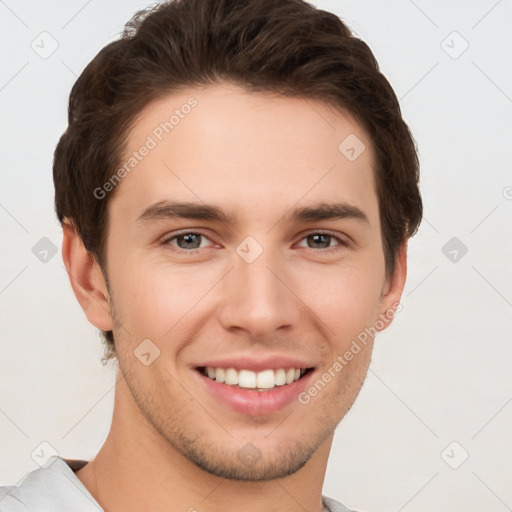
242, 150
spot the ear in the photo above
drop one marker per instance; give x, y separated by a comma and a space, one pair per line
392, 291
86, 279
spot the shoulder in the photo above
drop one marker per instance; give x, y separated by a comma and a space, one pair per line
10, 500
53, 486
334, 506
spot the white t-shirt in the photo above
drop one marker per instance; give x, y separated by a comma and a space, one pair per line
55, 488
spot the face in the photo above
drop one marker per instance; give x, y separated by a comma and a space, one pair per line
245, 246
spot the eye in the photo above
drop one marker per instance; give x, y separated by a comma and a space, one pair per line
191, 241
188, 241
322, 240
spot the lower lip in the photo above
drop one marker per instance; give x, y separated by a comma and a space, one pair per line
253, 402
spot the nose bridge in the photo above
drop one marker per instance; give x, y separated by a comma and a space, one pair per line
257, 298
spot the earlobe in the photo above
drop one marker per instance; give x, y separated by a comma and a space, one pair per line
393, 288
86, 279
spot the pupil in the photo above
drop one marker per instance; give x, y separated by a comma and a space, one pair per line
188, 238
193, 238
318, 236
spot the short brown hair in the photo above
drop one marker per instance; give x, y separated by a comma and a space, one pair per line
287, 47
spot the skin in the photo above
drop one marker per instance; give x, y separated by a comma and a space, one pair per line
172, 446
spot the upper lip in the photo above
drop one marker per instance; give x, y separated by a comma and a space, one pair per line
250, 363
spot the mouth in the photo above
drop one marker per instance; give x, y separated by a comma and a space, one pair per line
254, 381
254, 392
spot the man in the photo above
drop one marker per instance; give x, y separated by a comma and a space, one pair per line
236, 188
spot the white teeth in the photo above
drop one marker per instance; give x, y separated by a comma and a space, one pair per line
219, 374
247, 379
231, 376
280, 377
266, 379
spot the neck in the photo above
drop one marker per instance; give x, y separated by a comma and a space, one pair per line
137, 469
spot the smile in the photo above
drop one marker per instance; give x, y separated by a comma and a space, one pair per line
251, 380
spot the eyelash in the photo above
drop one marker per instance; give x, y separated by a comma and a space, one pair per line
341, 242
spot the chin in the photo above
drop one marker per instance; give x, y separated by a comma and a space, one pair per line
248, 464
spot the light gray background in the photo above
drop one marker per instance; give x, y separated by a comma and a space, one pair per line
440, 374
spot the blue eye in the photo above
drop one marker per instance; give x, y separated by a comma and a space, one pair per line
188, 241
191, 241
324, 240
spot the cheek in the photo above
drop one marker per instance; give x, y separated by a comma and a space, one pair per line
154, 300
346, 299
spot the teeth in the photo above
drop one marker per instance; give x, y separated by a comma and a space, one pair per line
246, 379
219, 374
280, 377
266, 379
231, 377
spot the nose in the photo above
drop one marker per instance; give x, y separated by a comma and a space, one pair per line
258, 297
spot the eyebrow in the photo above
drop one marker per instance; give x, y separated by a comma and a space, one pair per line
200, 211
184, 210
